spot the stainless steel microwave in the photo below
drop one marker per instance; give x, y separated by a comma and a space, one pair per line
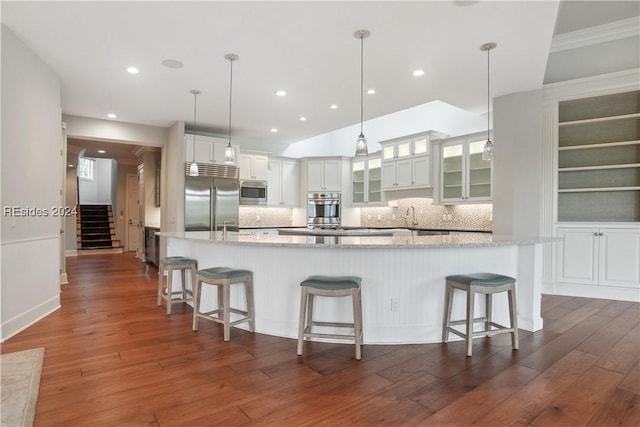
253, 192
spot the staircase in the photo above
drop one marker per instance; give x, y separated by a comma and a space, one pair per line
95, 228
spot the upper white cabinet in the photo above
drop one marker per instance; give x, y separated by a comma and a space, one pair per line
599, 158
366, 180
208, 149
283, 182
253, 166
406, 161
604, 257
464, 176
324, 175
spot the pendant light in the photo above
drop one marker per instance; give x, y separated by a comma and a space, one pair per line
487, 152
229, 153
193, 168
361, 144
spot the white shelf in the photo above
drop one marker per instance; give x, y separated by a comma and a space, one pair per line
601, 167
597, 190
601, 145
599, 120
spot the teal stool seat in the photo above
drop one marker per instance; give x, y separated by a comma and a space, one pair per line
332, 282
223, 273
330, 286
487, 284
168, 265
223, 278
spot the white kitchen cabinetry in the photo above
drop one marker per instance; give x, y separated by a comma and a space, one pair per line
603, 257
253, 166
406, 161
324, 175
366, 180
208, 149
464, 176
283, 182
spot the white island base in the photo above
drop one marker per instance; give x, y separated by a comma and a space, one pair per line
403, 278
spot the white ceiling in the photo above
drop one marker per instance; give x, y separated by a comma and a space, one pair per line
305, 48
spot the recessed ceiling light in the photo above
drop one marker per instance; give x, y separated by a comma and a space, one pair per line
101, 151
303, 119
333, 106
172, 63
274, 130
418, 73
371, 91
111, 116
132, 70
70, 165
281, 93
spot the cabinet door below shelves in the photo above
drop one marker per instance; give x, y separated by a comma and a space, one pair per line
578, 256
620, 258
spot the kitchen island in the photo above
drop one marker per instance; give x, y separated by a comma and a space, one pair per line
403, 277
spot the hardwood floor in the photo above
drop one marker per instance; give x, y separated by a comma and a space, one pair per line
114, 358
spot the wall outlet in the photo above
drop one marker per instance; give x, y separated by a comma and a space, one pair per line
393, 217
395, 305
257, 217
379, 217
369, 217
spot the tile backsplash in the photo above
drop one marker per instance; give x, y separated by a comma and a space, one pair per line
427, 215
264, 217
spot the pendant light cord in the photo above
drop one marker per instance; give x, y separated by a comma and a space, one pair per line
195, 109
488, 96
230, 98
361, 82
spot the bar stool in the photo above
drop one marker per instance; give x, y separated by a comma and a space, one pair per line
170, 264
487, 284
330, 286
223, 278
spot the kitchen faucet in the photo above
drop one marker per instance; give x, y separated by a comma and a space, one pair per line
413, 216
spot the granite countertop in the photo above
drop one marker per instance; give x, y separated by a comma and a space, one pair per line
360, 242
359, 227
335, 232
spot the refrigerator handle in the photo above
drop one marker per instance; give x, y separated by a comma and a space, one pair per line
214, 209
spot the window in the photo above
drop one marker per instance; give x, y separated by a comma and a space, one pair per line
86, 168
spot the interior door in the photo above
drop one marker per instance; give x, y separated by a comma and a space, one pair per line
132, 213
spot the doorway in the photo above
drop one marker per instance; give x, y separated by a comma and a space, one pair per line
133, 214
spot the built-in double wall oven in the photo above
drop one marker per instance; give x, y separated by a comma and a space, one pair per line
323, 210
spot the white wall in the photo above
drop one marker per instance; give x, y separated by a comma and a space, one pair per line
436, 115
31, 143
99, 191
517, 180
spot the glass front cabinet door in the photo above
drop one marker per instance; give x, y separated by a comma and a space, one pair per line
464, 176
367, 180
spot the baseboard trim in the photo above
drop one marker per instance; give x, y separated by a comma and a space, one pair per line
601, 292
84, 252
21, 322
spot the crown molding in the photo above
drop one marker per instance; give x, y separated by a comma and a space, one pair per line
598, 34
603, 84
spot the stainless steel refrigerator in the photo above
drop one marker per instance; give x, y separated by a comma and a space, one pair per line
212, 198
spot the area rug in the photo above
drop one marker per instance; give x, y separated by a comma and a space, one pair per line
20, 374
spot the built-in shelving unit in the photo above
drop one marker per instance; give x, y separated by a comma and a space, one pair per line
599, 159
